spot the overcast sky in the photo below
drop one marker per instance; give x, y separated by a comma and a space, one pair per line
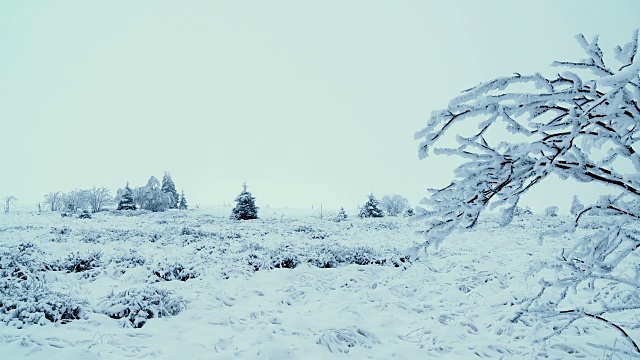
308, 102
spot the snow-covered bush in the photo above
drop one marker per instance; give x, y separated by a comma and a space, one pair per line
77, 262
137, 306
130, 259
580, 124
22, 261
30, 302
169, 271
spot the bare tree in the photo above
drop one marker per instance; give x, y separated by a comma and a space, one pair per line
54, 199
98, 197
394, 204
545, 126
8, 200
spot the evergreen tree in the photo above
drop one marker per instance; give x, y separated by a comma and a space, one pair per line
371, 209
183, 202
342, 215
169, 188
245, 206
576, 206
126, 202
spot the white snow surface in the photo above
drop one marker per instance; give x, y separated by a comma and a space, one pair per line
455, 303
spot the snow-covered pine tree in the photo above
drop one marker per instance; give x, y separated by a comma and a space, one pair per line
342, 215
576, 206
245, 206
517, 130
371, 208
169, 188
183, 202
153, 198
126, 202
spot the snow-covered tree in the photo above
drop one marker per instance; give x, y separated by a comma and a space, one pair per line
98, 197
394, 205
182, 205
245, 206
169, 188
370, 208
576, 206
551, 211
75, 200
515, 131
525, 211
54, 199
126, 199
153, 198
8, 200
341, 216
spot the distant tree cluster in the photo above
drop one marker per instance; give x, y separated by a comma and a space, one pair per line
392, 205
93, 199
154, 196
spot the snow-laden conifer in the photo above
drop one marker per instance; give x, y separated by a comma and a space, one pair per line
371, 208
126, 200
169, 188
245, 206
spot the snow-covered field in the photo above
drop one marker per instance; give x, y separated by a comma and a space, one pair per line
196, 285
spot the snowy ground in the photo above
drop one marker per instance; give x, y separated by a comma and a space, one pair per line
457, 303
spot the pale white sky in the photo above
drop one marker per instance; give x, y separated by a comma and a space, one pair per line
309, 103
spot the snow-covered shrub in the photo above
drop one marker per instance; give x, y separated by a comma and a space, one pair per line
129, 260
385, 225
62, 231
85, 215
22, 261
169, 271
137, 306
284, 258
410, 212
76, 262
29, 302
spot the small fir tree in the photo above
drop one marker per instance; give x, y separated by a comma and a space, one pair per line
371, 209
342, 215
126, 203
245, 206
183, 202
169, 188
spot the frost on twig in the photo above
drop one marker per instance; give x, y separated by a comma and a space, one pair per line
581, 124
